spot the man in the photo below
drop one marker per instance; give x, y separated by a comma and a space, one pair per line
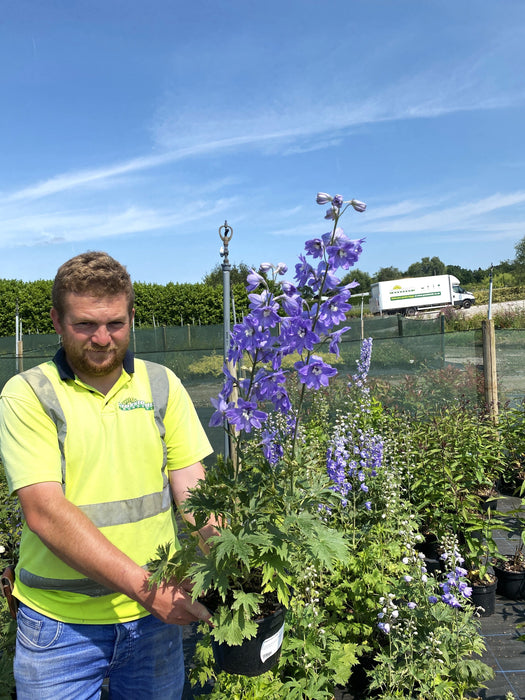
92, 443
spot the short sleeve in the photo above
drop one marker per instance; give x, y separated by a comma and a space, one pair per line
28, 437
186, 440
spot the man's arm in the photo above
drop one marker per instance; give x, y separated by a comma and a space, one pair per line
72, 537
181, 481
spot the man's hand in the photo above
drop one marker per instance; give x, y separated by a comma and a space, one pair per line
171, 603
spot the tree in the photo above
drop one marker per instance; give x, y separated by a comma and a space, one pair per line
463, 275
519, 261
427, 267
238, 274
363, 278
385, 274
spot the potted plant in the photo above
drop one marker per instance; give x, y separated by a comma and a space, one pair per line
267, 496
479, 549
510, 572
510, 569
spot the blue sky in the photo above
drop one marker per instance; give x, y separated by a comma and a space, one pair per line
138, 128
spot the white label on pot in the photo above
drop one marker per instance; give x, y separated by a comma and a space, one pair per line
272, 644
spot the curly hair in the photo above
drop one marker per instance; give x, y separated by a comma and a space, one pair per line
95, 273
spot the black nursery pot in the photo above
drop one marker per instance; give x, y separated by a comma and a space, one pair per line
256, 655
485, 597
511, 584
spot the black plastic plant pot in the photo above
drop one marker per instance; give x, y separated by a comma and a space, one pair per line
511, 584
484, 598
256, 655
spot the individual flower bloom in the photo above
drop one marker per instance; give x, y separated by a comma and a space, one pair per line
281, 269
331, 213
368, 505
304, 272
288, 288
245, 415
265, 267
450, 599
335, 339
334, 237
323, 198
292, 304
338, 200
407, 578
358, 206
265, 383
466, 591
271, 449
315, 248
364, 488
384, 627
267, 316
344, 254
261, 299
324, 279
281, 400
333, 311
314, 373
254, 279
218, 417
248, 336
432, 599
395, 614
297, 335
411, 605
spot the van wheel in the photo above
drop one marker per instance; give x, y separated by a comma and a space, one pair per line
411, 311
467, 304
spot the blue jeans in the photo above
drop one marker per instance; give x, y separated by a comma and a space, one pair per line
60, 661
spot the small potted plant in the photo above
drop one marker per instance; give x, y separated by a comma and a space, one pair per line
479, 550
267, 496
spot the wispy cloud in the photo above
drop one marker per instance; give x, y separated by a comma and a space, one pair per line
46, 228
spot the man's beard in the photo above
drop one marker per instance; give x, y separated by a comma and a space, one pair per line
82, 362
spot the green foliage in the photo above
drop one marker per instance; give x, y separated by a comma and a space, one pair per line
273, 527
426, 393
155, 304
238, 274
10, 531
427, 266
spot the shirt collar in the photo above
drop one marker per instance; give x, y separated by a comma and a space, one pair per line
65, 371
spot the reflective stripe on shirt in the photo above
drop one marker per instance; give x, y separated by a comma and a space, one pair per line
105, 514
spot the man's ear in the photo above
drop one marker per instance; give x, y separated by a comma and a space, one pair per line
56, 321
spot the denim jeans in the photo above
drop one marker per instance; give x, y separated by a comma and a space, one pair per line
54, 660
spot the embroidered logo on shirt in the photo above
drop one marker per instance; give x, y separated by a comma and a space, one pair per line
131, 404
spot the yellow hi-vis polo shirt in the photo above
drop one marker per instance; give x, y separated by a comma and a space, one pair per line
112, 453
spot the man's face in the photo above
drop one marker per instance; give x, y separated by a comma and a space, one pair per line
95, 333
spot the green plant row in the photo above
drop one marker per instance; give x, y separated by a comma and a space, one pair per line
155, 304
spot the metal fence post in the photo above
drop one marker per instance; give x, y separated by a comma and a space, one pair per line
489, 368
225, 234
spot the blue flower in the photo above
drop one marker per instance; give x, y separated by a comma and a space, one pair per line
245, 416
314, 372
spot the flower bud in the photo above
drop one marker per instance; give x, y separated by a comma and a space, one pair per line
358, 206
323, 198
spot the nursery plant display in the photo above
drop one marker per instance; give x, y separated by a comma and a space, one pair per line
324, 505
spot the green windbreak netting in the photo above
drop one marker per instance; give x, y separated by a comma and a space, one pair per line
408, 355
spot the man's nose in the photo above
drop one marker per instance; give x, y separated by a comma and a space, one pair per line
101, 336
